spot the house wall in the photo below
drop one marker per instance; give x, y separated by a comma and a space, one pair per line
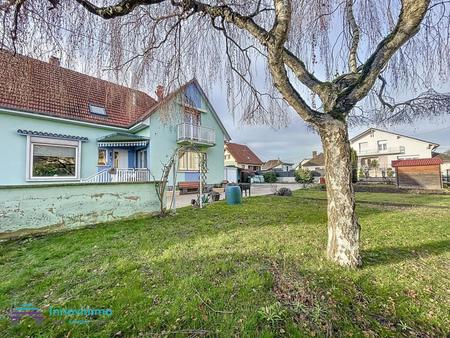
412, 149
419, 177
231, 161
13, 146
163, 141
26, 209
445, 169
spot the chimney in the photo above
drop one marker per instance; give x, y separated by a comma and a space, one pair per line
159, 92
314, 154
54, 61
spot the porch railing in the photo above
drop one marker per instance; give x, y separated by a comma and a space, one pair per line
131, 175
119, 175
196, 134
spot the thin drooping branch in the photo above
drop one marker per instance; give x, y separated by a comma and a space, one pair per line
426, 105
243, 22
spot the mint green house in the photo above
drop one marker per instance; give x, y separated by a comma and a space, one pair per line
58, 125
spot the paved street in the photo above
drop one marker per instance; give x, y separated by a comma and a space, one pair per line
257, 190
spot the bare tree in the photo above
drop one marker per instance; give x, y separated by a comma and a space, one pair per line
351, 56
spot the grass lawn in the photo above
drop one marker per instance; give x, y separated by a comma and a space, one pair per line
256, 269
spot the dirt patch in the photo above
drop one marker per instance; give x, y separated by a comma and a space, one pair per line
309, 307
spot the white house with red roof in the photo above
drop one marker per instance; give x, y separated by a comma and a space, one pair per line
58, 125
376, 149
241, 156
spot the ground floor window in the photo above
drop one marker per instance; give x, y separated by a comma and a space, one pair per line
189, 161
53, 159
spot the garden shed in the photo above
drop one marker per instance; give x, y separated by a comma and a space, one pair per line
422, 173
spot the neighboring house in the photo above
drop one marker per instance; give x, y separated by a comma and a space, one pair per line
422, 173
316, 164
277, 165
241, 156
376, 149
284, 170
58, 125
445, 166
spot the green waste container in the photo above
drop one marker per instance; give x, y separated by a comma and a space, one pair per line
233, 194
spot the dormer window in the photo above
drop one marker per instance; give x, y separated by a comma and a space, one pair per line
97, 110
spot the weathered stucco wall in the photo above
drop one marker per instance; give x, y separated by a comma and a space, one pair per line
39, 208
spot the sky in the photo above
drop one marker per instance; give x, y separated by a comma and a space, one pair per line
297, 142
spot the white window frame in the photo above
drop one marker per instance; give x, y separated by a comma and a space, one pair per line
189, 168
383, 144
55, 142
362, 149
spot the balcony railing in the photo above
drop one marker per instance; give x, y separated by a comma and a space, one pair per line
120, 175
392, 150
188, 133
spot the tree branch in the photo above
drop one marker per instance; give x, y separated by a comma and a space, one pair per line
122, 8
411, 16
355, 33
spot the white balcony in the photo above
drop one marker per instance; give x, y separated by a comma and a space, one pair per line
387, 151
191, 134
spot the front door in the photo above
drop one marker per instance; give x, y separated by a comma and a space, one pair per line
120, 158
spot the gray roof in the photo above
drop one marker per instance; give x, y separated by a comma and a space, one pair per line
47, 134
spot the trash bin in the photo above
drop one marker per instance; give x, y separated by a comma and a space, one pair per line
233, 194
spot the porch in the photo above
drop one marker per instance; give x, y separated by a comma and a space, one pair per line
122, 157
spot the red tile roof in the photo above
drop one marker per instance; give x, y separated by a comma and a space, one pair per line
243, 154
417, 162
39, 87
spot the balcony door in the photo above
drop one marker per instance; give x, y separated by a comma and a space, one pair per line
193, 119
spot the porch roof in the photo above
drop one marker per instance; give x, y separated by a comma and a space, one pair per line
122, 140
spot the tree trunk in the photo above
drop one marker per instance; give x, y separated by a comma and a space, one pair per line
343, 227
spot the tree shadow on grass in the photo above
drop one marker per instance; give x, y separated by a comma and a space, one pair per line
392, 255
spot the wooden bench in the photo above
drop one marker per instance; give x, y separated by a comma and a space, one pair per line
188, 187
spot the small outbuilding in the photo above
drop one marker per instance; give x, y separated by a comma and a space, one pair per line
424, 173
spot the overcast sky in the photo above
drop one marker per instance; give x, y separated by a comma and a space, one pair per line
296, 142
